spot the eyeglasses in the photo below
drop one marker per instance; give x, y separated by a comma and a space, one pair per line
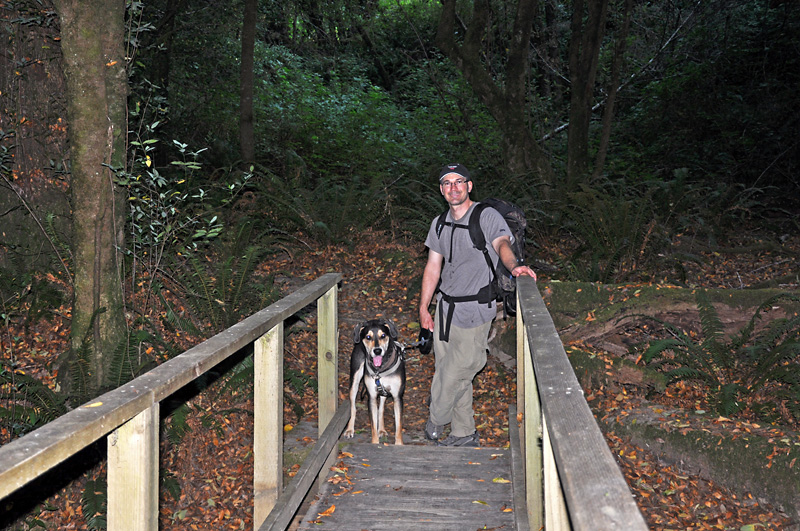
457, 182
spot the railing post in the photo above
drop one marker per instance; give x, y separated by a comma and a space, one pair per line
555, 506
327, 363
267, 423
532, 425
133, 473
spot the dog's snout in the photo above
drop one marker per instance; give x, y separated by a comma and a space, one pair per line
377, 351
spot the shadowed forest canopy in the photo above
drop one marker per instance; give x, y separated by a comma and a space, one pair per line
357, 103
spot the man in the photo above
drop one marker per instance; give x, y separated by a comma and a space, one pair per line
464, 316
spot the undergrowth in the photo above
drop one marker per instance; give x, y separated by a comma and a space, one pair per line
755, 369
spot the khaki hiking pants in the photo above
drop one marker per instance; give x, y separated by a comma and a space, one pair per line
457, 363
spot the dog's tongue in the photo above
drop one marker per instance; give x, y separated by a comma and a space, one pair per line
377, 361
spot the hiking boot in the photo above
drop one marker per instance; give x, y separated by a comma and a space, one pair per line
469, 440
433, 431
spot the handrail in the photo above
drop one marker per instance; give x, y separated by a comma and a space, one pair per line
292, 497
572, 479
128, 416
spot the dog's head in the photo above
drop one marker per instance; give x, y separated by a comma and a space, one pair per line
377, 336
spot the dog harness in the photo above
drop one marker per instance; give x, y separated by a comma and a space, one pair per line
400, 357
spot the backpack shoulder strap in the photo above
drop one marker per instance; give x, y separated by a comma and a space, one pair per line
477, 236
475, 231
440, 223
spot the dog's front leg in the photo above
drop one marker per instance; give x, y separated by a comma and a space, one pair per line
398, 420
354, 385
376, 409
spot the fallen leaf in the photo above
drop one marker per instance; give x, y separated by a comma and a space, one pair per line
329, 511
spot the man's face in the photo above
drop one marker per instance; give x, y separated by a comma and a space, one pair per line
455, 188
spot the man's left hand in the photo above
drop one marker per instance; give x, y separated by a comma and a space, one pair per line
523, 270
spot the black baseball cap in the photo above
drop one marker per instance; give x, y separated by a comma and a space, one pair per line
455, 168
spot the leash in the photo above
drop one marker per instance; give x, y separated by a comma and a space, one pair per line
424, 343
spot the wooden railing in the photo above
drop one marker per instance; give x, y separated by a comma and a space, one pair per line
129, 416
572, 480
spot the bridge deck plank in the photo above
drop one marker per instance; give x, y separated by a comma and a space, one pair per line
416, 487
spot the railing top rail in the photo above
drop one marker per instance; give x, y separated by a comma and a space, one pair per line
26, 458
595, 490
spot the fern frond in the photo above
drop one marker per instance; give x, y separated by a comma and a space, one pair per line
178, 424
246, 267
93, 502
727, 398
203, 291
80, 374
659, 348
712, 330
684, 373
182, 324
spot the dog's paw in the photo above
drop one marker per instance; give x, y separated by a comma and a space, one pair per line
348, 434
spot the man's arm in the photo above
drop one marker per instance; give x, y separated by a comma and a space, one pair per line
502, 246
430, 279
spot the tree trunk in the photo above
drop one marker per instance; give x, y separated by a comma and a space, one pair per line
246, 120
613, 87
94, 67
584, 54
508, 104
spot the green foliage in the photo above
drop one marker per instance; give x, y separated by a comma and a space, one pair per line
178, 426
79, 382
130, 358
26, 403
327, 210
170, 484
616, 233
221, 290
757, 367
94, 502
27, 294
718, 103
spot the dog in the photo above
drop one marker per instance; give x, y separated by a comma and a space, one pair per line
379, 360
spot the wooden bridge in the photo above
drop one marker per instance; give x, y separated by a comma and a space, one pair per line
558, 472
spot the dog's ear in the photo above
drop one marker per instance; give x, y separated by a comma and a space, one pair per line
357, 332
392, 329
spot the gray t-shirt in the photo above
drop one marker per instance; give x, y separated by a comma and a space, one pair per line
465, 271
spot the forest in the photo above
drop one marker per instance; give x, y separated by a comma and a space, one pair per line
170, 167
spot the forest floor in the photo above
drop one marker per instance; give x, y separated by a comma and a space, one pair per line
213, 461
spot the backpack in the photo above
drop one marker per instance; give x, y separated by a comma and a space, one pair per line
503, 286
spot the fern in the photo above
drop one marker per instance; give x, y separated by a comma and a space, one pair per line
130, 358
759, 369
223, 294
175, 320
614, 231
178, 425
80, 373
94, 501
242, 376
171, 485
27, 402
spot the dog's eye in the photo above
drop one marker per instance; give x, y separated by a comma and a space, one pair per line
368, 337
